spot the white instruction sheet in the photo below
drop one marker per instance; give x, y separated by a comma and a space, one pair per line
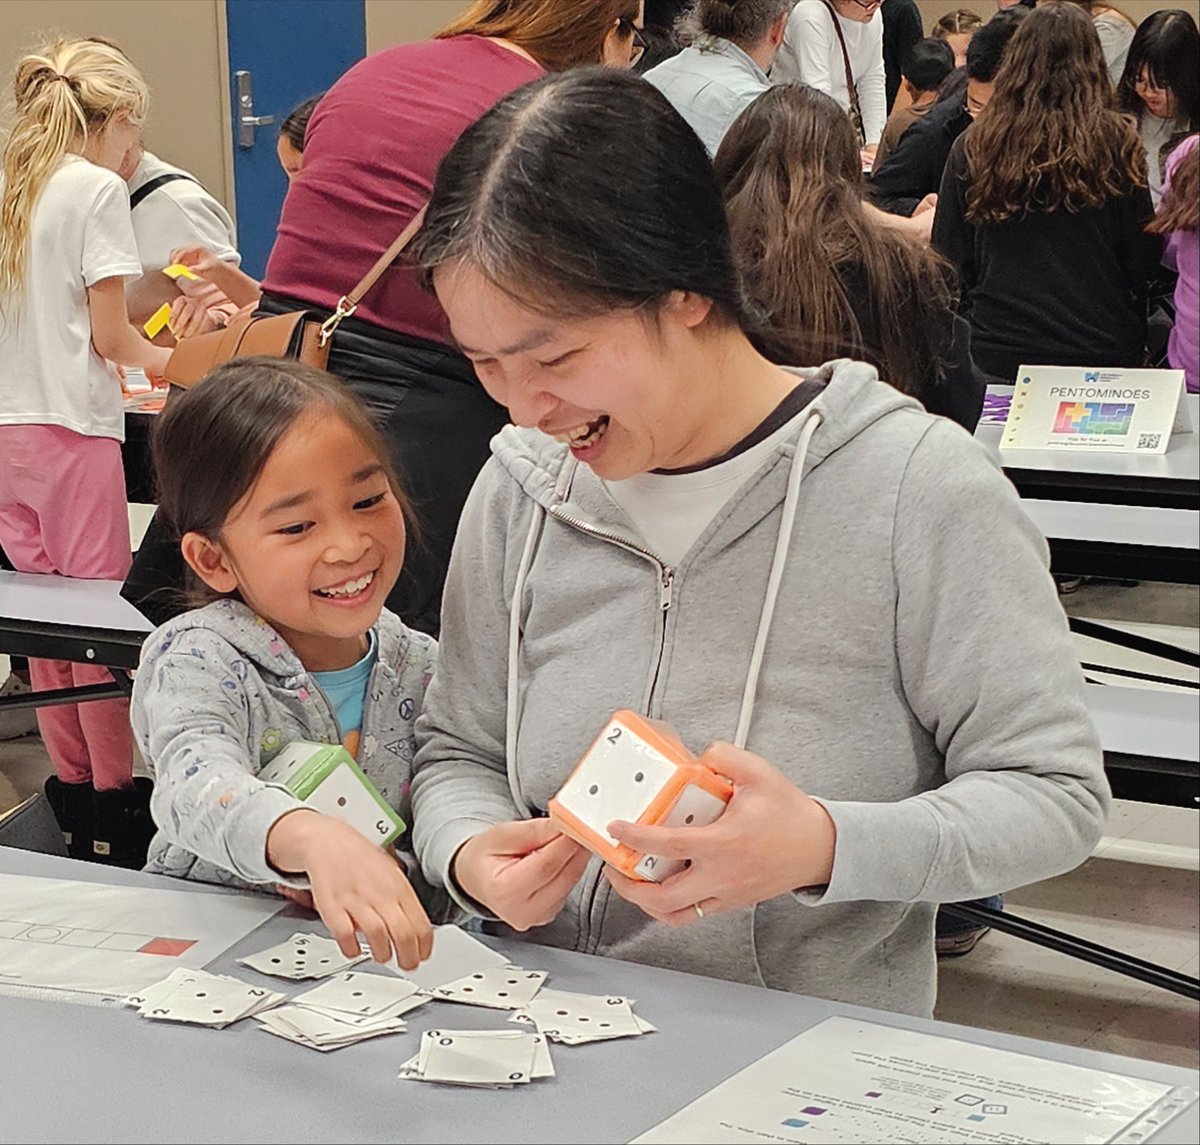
853, 1081
97, 939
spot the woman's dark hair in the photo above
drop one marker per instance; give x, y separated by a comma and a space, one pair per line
927, 63
211, 442
1050, 138
582, 193
1166, 47
295, 124
741, 22
792, 176
559, 34
1180, 207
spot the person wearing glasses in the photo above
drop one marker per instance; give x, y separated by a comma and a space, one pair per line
713, 80
371, 150
907, 181
836, 46
1160, 87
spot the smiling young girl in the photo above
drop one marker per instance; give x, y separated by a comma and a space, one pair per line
290, 520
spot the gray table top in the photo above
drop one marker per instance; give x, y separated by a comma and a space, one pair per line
73, 1073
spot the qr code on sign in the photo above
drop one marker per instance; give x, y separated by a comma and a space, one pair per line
1149, 440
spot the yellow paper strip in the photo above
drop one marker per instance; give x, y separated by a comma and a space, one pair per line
178, 270
157, 320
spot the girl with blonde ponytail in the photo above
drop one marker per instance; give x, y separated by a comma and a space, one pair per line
66, 245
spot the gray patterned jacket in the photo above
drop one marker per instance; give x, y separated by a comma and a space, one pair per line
217, 695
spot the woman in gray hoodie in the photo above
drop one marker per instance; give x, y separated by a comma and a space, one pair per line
799, 567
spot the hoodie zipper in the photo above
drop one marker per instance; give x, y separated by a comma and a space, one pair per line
666, 584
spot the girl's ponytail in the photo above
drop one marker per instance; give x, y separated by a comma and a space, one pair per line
63, 94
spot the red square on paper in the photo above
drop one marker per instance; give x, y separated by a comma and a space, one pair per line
171, 947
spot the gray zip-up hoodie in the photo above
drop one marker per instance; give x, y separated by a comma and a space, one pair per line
217, 695
918, 678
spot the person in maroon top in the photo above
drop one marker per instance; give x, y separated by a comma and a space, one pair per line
371, 151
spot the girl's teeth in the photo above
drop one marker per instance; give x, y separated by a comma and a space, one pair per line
350, 587
584, 434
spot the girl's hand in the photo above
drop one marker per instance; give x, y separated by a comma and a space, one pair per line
772, 839
190, 316
357, 888
521, 871
295, 894
197, 258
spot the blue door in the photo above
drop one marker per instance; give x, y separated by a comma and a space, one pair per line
281, 52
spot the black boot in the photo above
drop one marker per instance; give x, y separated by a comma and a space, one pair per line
72, 807
123, 825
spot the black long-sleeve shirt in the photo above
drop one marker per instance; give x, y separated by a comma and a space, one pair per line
1055, 288
902, 28
913, 168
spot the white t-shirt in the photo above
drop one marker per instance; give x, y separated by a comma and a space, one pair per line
812, 54
50, 374
670, 511
178, 213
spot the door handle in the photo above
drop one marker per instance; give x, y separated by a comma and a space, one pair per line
247, 121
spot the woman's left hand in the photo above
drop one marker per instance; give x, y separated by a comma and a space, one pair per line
771, 840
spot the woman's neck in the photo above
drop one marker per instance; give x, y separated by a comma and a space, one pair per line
740, 389
516, 49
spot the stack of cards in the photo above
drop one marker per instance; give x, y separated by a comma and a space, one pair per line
348, 1008
497, 988
574, 1019
202, 999
302, 956
485, 1059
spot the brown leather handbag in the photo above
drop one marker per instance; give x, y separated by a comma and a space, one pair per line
303, 335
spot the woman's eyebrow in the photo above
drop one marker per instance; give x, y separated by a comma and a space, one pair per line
531, 341
366, 473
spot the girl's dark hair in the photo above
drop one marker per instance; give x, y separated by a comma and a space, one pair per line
1166, 47
1180, 208
211, 442
295, 124
792, 175
1050, 138
581, 193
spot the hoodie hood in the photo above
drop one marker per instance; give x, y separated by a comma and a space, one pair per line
852, 401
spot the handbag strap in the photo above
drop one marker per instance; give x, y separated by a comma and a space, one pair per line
851, 87
348, 303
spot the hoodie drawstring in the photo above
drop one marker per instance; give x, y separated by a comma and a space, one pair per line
778, 563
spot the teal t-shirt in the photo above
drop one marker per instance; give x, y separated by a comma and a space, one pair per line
346, 689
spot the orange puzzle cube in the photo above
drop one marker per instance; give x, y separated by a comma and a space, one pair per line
639, 771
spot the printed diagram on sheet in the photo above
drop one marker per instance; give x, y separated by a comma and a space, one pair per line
90, 939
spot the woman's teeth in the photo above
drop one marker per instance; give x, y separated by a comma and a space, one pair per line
584, 435
348, 588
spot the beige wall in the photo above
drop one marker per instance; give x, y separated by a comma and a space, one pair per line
179, 47
403, 21
1135, 9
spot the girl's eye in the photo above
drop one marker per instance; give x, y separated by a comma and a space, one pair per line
370, 502
296, 530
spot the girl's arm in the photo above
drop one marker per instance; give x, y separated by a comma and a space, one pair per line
113, 335
234, 283
872, 88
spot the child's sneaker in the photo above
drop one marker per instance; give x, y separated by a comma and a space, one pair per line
16, 722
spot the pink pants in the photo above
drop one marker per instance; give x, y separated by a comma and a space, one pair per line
62, 510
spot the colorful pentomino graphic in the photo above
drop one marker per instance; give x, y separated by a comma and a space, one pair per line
1094, 418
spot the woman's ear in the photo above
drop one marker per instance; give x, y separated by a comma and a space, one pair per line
208, 561
687, 307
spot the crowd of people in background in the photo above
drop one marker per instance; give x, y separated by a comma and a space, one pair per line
940, 206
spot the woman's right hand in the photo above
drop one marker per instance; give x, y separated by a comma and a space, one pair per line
190, 316
357, 887
521, 871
